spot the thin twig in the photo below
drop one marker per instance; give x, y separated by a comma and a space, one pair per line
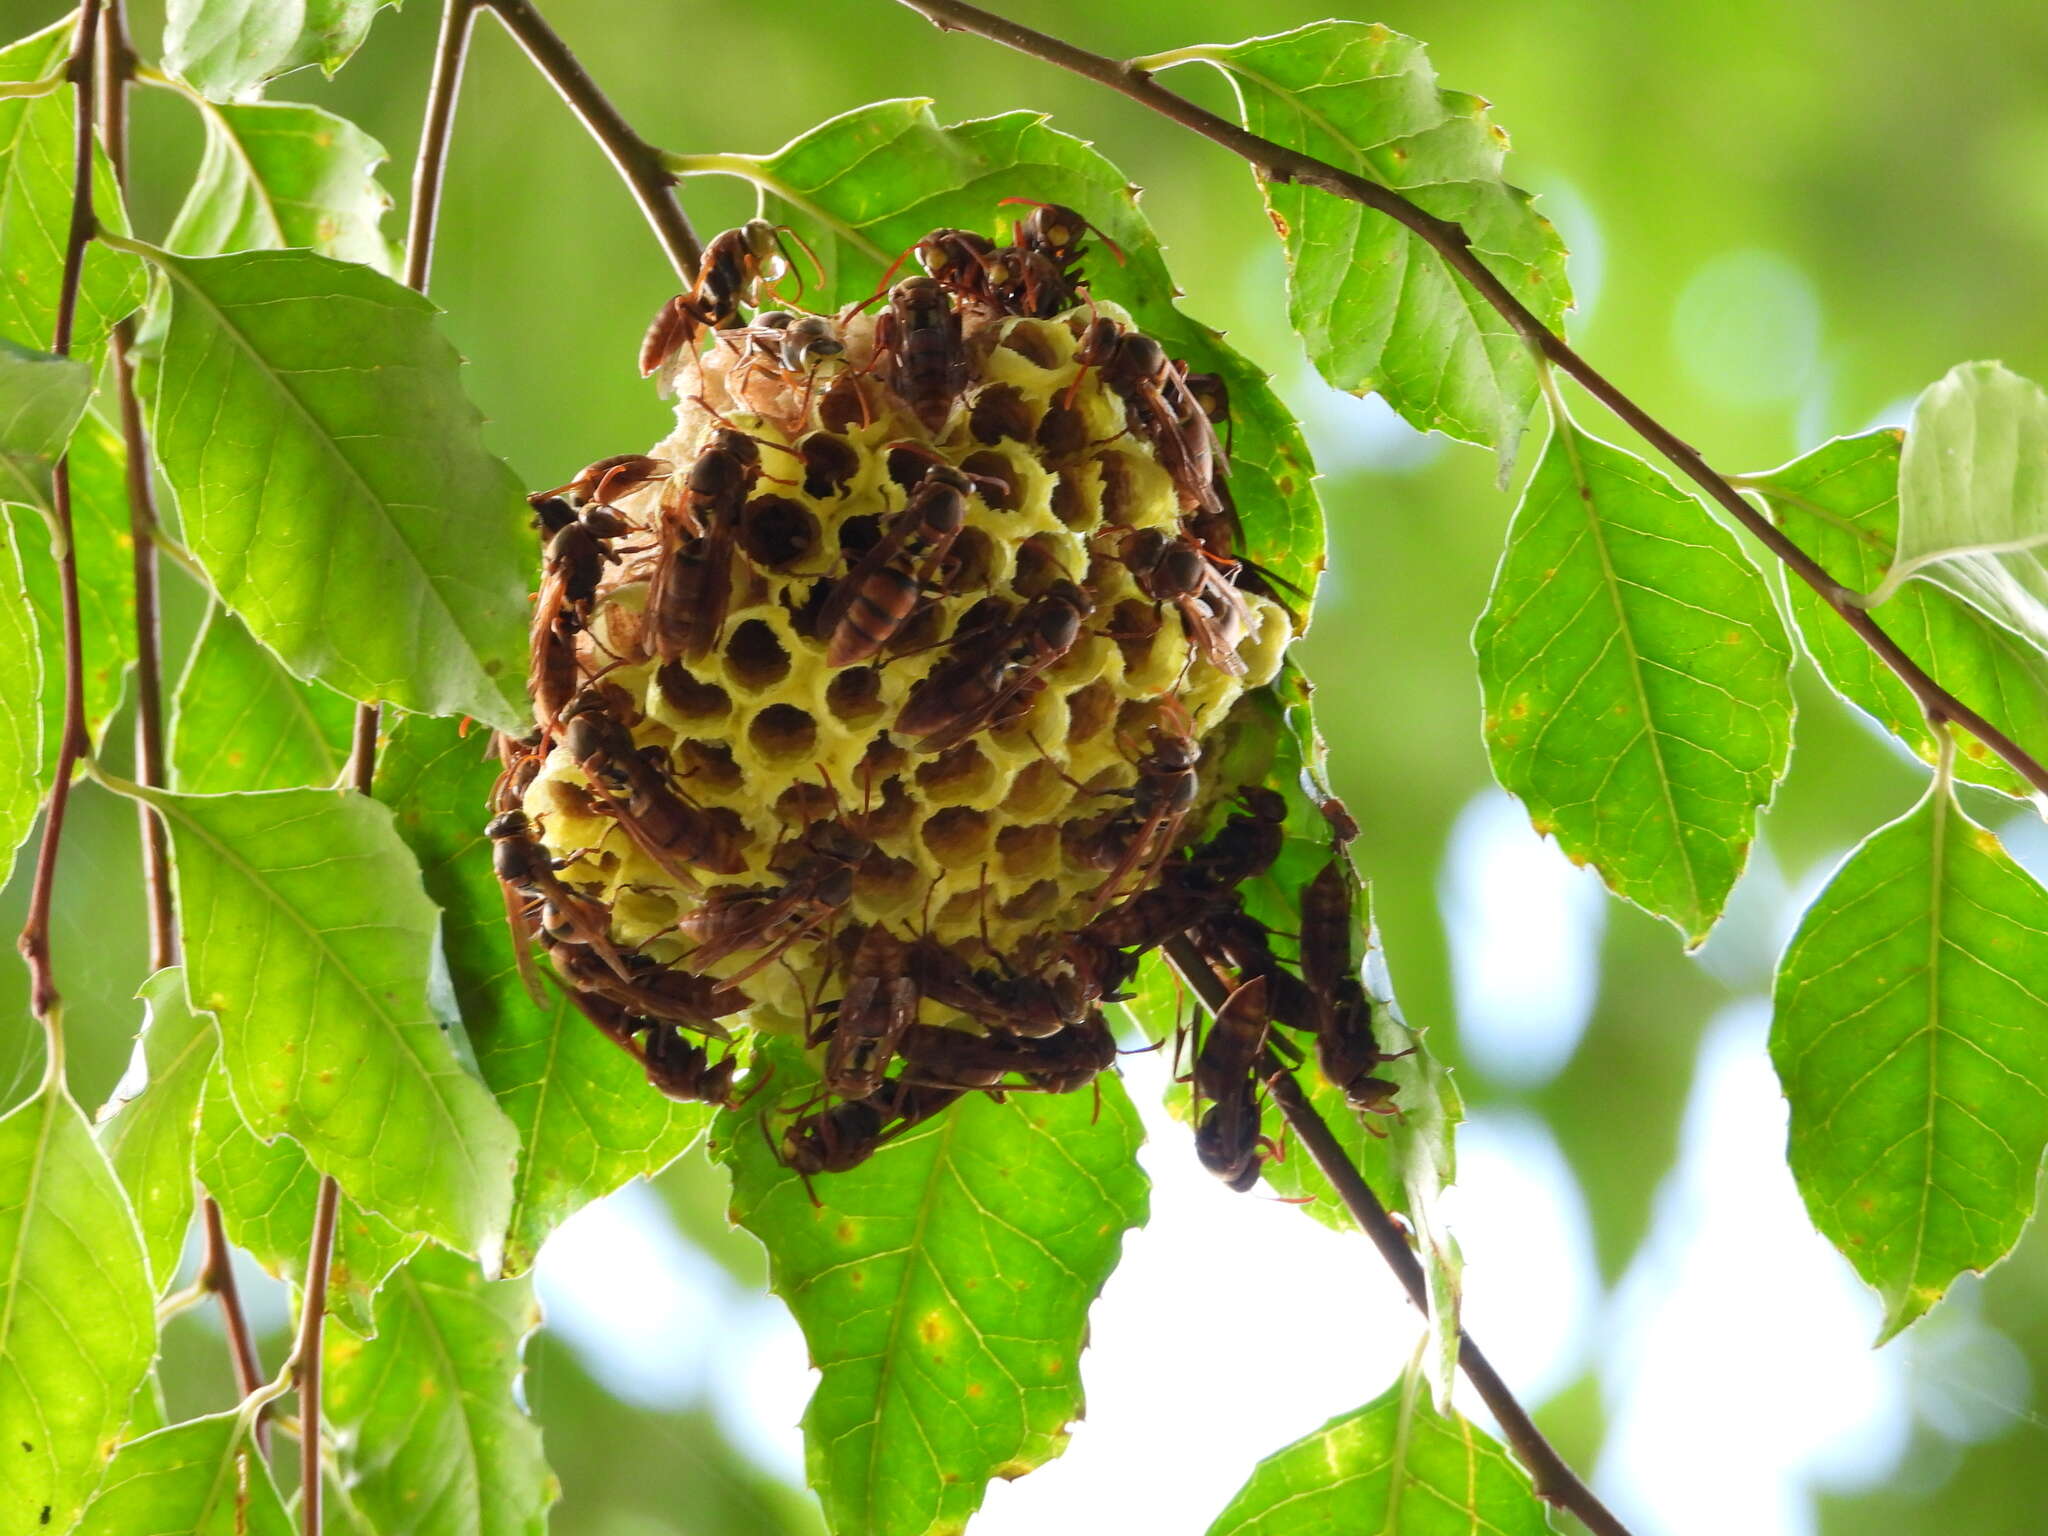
1276, 162
77, 740
306, 1352
117, 62
640, 163
1552, 1478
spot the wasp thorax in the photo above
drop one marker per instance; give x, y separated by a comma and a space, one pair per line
876, 694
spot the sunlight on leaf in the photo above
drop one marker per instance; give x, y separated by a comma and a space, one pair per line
1910, 1034
1378, 310
1636, 678
41, 398
200, 1478
239, 720
279, 174
35, 209
21, 700
77, 1314
149, 1137
1393, 1465
332, 479
228, 48
267, 1192
106, 588
1840, 504
1973, 495
309, 937
943, 1289
430, 1435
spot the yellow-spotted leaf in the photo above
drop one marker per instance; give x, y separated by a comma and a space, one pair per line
77, 1311
943, 1286
1636, 677
1910, 1034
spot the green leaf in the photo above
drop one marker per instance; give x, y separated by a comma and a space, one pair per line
77, 1314
240, 721
865, 186
35, 208
21, 703
41, 398
1376, 307
587, 1119
331, 476
149, 1136
1636, 677
429, 1432
943, 1287
1911, 1037
1393, 1465
106, 586
1840, 504
267, 1192
228, 48
204, 1477
278, 174
308, 936
1973, 495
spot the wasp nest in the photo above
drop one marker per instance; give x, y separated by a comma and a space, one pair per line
873, 698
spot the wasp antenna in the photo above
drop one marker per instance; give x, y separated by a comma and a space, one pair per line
805, 246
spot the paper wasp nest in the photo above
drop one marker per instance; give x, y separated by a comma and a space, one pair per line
887, 656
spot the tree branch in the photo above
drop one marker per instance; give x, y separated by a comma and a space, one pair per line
1276, 162
77, 740
117, 62
306, 1353
640, 163
1552, 1478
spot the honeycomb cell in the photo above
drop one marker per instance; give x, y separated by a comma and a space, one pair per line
754, 656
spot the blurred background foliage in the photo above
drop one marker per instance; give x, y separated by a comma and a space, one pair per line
1785, 219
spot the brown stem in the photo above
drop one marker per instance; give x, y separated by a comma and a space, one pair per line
217, 1274
640, 163
1551, 1477
306, 1353
1276, 162
77, 740
117, 60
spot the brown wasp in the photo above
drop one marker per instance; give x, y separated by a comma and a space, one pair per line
527, 871
918, 349
1345, 1047
653, 991
734, 266
1024, 1005
575, 559
637, 793
700, 518
991, 668
1160, 801
880, 1003
846, 1135
1157, 406
876, 598
816, 891
1173, 568
958, 260
1227, 1138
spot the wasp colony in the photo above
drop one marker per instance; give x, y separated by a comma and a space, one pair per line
871, 703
